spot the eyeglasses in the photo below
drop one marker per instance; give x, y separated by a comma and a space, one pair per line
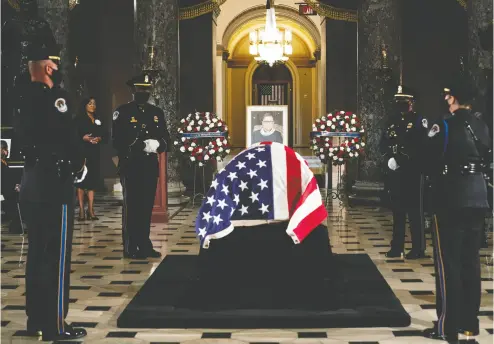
267, 121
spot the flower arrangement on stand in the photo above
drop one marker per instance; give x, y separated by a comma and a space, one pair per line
349, 129
203, 137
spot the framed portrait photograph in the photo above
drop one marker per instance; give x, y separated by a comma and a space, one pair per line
267, 123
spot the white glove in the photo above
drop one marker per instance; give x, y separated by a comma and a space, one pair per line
392, 164
151, 146
84, 172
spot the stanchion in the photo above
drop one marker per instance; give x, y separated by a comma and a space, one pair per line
195, 193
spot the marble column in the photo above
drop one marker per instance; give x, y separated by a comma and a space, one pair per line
479, 14
56, 13
341, 65
157, 48
378, 75
197, 83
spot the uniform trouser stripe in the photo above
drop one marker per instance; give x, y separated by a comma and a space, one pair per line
421, 210
125, 230
442, 279
61, 271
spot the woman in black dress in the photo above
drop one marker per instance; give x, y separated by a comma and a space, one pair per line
90, 130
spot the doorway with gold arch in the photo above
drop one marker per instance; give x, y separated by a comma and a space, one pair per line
299, 78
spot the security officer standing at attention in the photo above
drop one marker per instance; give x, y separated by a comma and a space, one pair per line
53, 160
139, 135
400, 145
458, 146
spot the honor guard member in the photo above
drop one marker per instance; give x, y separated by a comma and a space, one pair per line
139, 135
458, 145
53, 160
400, 145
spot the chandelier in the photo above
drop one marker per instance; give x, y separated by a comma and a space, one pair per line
270, 45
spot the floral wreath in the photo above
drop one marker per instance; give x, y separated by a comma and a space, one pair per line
203, 137
337, 122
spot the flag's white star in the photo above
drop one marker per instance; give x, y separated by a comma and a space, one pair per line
263, 184
240, 165
243, 210
261, 164
214, 184
206, 216
232, 176
224, 189
251, 156
222, 204
260, 149
264, 208
253, 197
252, 173
211, 200
233, 210
217, 219
202, 232
243, 185
236, 199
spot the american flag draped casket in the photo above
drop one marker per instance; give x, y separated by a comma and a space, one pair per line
268, 181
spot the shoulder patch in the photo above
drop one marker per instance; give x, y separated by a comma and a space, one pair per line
434, 130
61, 105
115, 115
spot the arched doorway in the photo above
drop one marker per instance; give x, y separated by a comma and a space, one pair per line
274, 86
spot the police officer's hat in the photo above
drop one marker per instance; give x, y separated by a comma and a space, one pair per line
143, 80
459, 89
42, 51
404, 94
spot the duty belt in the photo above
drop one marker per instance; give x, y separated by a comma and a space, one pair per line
466, 169
397, 149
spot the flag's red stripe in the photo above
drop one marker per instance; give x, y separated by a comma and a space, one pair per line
311, 221
308, 190
293, 180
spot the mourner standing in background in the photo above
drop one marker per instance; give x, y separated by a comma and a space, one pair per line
139, 135
459, 146
400, 145
91, 132
53, 158
10, 188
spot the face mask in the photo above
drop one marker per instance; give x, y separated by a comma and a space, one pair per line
141, 97
56, 77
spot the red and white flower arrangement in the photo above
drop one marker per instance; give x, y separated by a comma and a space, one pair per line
348, 148
202, 150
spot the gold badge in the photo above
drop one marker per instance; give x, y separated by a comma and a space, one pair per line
409, 125
156, 119
133, 120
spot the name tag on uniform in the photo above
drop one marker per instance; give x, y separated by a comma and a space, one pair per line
156, 119
133, 120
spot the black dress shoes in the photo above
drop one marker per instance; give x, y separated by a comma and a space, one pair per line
142, 254
433, 333
69, 333
32, 332
149, 254
415, 255
394, 254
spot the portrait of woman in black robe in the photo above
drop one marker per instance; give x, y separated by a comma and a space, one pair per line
91, 130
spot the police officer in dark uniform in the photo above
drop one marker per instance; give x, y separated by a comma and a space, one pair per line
400, 145
139, 135
53, 160
458, 145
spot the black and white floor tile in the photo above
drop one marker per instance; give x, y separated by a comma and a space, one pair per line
102, 282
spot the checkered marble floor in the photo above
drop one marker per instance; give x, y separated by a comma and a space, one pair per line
103, 283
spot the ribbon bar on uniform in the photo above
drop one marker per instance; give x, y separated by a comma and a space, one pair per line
205, 134
333, 134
